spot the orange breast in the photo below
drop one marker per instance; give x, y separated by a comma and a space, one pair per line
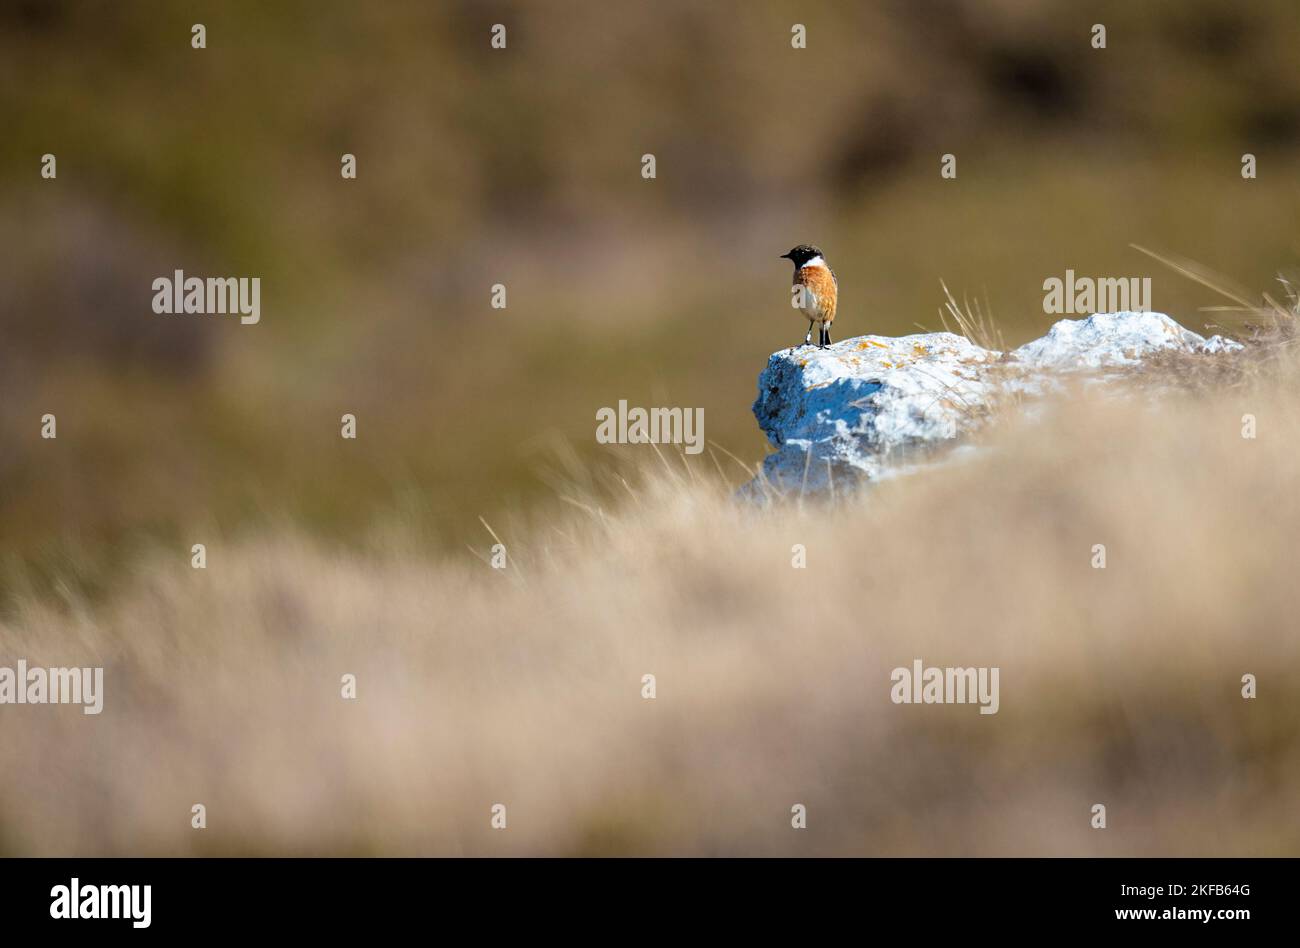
821, 285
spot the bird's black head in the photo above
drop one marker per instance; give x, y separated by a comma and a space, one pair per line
802, 254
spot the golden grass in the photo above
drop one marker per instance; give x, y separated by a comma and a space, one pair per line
971, 320
1118, 686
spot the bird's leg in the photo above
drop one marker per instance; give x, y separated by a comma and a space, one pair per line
827, 329
821, 336
807, 340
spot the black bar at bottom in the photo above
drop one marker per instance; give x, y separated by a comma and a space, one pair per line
333, 897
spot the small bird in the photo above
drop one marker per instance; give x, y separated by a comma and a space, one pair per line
818, 293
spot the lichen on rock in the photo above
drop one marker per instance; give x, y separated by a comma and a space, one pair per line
863, 407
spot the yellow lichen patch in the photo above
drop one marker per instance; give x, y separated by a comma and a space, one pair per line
918, 349
863, 345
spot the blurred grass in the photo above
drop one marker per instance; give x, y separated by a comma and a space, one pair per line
1118, 685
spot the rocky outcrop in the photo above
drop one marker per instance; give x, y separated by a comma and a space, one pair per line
866, 407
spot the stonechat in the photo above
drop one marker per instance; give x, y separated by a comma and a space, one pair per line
817, 291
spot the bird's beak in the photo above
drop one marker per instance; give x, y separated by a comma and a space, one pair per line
784, 256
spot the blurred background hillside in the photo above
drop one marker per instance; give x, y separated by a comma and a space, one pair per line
522, 166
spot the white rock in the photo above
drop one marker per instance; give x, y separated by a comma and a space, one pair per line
874, 405
849, 410
1112, 339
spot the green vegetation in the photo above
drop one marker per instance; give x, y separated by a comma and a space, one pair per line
522, 167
